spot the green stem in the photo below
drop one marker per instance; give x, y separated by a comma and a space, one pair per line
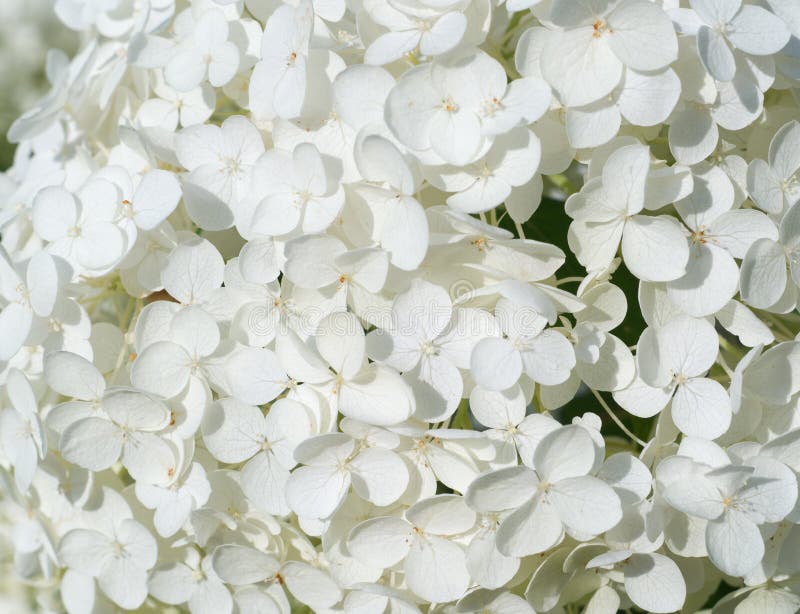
616, 420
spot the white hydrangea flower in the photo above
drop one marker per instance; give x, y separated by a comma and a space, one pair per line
555, 498
205, 53
735, 500
723, 27
584, 59
607, 213
410, 306
22, 434
117, 552
434, 565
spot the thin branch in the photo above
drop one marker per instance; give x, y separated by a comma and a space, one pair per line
618, 422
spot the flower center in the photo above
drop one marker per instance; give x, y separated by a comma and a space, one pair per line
449, 105
490, 106
600, 27
427, 348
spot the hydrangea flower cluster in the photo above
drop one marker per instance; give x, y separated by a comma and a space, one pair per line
273, 337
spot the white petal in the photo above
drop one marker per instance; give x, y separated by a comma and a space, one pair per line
156, 197
747, 28
423, 311
715, 54
185, 70
377, 396
734, 543
628, 476
124, 583
642, 36
773, 377
533, 528
614, 369
211, 597
85, 550
195, 330
162, 368
287, 424
73, 376
693, 135
340, 341
548, 358
135, 410
170, 516
92, 443
502, 489
408, 119
655, 248
77, 592
99, 245
715, 11
582, 68
391, 46
593, 125
764, 274
139, 545
233, 431
325, 449
642, 400
206, 208
379, 476
316, 492
405, 233
54, 213
254, 375
655, 583
310, 260
15, 325
442, 383
495, 364
381, 542
604, 601
310, 585
770, 493
259, 260
625, 178
701, 408
711, 280
695, 495
740, 321
42, 279
737, 230
586, 505
149, 458
240, 565
764, 186
784, 150
193, 272
172, 584
648, 99
223, 65
565, 453
687, 346
359, 94
486, 564
442, 515
445, 34
456, 136
436, 569
498, 410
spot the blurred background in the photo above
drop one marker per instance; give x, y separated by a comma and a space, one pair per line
28, 28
